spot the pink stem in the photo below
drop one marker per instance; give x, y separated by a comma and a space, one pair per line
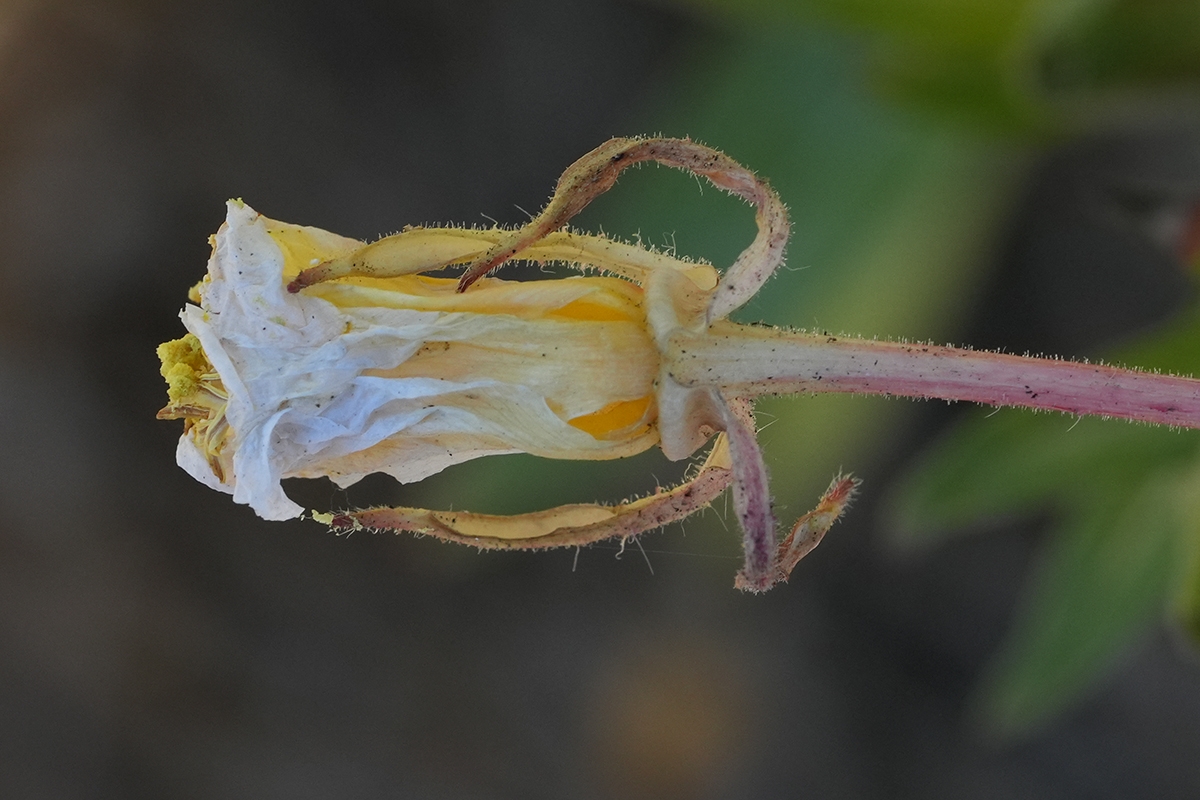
752, 503
749, 360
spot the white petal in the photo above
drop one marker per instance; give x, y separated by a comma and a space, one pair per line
306, 394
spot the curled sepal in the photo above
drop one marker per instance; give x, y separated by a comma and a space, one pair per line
597, 171
806, 534
768, 563
564, 526
751, 496
417, 250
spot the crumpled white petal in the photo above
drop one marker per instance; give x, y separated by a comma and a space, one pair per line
308, 390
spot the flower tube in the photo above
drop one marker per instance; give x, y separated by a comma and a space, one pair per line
403, 374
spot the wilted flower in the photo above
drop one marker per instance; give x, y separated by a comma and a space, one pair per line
402, 375
309, 354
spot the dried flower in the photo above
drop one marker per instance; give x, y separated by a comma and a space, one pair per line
402, 375
310, 354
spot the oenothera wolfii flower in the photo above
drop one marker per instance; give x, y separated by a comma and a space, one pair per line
309, 354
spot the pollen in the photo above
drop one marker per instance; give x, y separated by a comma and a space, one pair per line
183, 364
196, 396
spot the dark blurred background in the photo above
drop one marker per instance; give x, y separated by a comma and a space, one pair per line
158, 641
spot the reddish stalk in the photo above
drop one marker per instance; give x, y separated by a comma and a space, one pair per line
749, 361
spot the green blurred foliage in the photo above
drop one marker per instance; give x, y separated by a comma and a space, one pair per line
1123, 547
1024, 66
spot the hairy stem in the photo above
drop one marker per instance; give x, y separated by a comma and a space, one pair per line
748, 361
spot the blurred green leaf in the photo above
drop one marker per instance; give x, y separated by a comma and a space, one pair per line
1012, 462
1122, 554
1110, 571
1128, 44
1187, 598
1032, 66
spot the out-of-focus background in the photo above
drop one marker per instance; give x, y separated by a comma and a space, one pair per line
1010, 174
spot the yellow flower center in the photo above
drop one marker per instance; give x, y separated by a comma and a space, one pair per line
196, 395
